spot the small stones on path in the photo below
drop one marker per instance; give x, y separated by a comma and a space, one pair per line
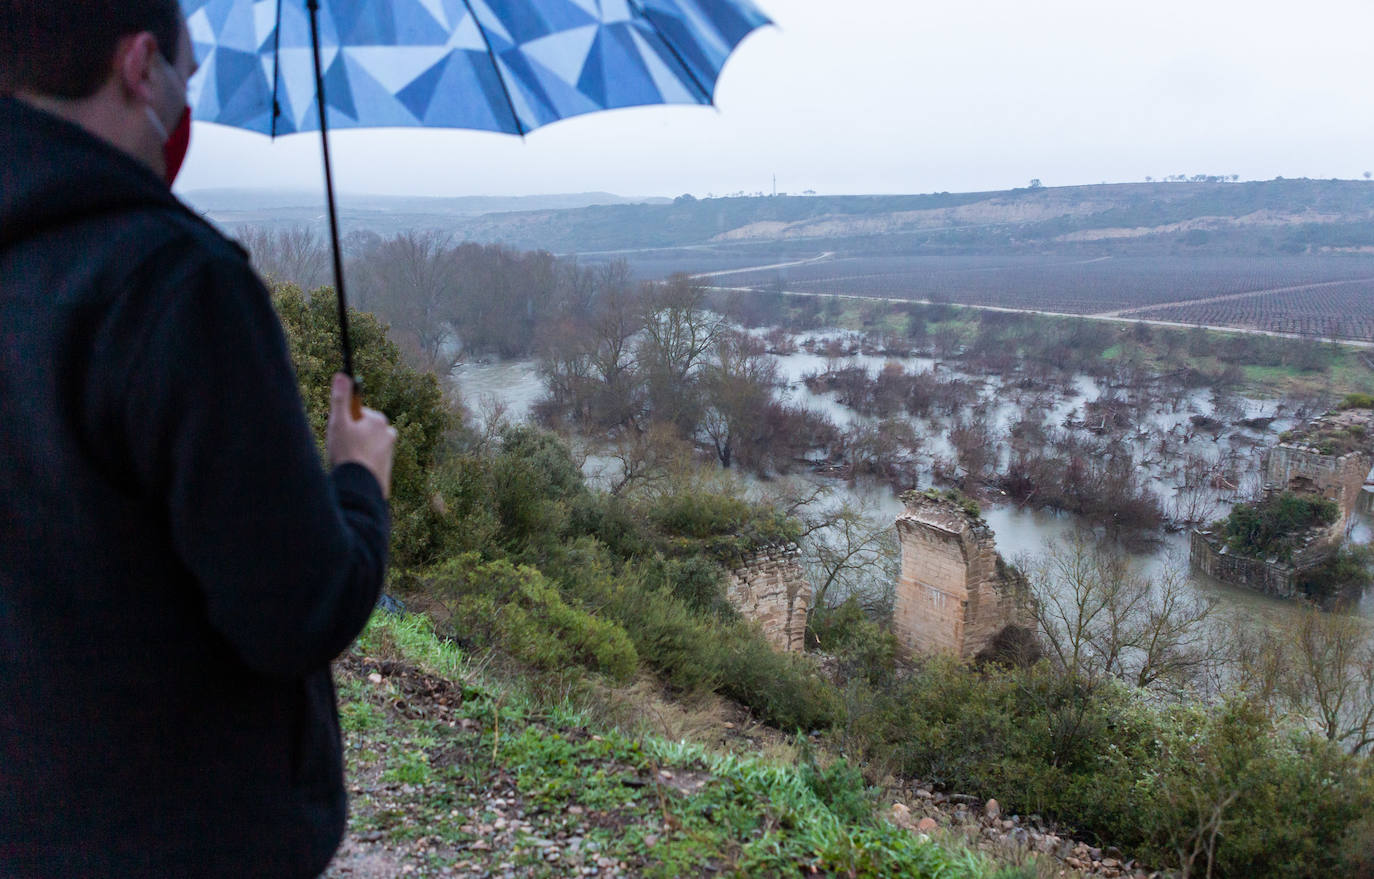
985, 827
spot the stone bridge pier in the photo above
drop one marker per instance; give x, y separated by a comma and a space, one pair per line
955, 594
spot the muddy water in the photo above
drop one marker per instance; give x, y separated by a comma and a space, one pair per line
512, 384
516, 386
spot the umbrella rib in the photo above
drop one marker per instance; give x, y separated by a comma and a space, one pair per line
491, 53
276, 69
640, 11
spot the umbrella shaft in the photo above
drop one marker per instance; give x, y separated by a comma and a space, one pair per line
314, 7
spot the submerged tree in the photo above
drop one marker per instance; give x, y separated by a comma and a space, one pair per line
1100, 615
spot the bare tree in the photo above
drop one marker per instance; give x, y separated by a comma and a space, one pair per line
1101, 616
738, 385
1330, 676
645, 461
852, 553
678, 333
1195, 499
615, 321
588, 360
287, 256
409, 282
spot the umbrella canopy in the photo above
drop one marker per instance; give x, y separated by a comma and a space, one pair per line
283, 66
492, 65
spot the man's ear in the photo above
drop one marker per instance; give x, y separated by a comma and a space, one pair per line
133, 65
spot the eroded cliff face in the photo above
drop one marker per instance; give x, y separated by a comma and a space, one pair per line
954, 593
771, 587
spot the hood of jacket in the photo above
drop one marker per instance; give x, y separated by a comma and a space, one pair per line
56, 173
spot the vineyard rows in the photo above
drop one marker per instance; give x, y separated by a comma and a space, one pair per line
1341, 312
1045, 283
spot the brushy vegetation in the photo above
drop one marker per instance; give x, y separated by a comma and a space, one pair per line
1331, 438
1348, 570
537, 566
1099, 758
1274, 527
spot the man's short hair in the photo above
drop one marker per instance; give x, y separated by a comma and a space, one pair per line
65, 48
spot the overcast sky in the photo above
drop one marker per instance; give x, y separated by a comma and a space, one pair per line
899, 96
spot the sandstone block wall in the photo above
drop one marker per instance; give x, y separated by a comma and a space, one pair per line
771, 587
953, 595
1306, 471
1212, 557
1210, 554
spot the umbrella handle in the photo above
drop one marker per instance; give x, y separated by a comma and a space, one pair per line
355, 401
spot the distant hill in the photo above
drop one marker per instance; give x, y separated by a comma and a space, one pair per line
1276, 216
1279, 215
381, 213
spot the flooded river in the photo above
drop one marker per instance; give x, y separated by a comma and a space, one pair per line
516, 387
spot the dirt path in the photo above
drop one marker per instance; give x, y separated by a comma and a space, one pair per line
1125, 312
776, 265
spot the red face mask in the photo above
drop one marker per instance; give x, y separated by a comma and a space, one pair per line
174, 150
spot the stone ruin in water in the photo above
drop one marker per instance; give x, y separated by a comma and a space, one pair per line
1331, 457
955, 594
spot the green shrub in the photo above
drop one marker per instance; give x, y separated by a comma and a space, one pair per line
691, 651
1290, 799
954, 495
534, 485
515, 609
840, 786
863, 647
1272, 527
412, 400
1348, 568
462, 516
668, 636
1112, 767
1357, 401
719, 525
786, 690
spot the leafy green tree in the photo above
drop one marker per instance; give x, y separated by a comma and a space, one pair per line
411, 399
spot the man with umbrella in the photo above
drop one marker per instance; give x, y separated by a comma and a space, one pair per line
176, 567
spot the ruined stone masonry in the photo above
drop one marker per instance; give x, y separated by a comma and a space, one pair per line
770, 587
1211, 556
954, 593
1330, 456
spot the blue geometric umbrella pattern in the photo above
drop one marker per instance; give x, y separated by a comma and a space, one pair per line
493, 65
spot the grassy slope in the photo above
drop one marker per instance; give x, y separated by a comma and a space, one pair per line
450, 772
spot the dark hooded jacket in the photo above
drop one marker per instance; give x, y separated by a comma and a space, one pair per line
176, 567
